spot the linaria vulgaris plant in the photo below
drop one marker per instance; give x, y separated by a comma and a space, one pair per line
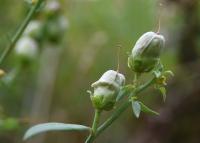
110, 88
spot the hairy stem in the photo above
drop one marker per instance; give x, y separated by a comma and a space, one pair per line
20, 31
94, 126
119, 111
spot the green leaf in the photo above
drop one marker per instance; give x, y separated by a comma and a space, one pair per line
163, 92
125, 90
46, 127
146, 109
136, 108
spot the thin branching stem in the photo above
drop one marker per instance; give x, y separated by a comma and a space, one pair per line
119, 111
20, 30
94, 126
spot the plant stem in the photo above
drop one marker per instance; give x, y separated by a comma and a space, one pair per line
96, 120
135, 81
113, 117
119, 111
94, 125
20, 31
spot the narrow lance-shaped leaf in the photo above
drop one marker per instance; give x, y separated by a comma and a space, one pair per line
46, 127
146, 109
136, 108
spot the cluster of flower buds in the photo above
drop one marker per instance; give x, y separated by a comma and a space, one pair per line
106, 90
146, 52
144, 57
50, 28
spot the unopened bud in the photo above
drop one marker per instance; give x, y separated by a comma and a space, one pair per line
26, 48
52, 7
56, 28
34, 29
106, 90
146, 52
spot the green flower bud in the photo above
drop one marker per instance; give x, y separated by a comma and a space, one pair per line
146, 52
34, 30
56, 28
106, 90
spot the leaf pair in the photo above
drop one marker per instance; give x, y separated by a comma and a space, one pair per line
138, 106
46, 127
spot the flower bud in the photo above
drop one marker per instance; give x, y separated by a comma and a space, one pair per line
56, 28
106, 90
26, 48
146, 52
34, 29
52, 7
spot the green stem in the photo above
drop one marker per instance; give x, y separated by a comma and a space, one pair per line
119, 111
135, 81
94, 126
20, 31
113, 117
96, 120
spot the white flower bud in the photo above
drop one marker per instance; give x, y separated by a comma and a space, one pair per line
52, 6
27, 48
106, 89
112, 78
146, 52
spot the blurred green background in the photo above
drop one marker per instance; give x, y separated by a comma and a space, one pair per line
52, 86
